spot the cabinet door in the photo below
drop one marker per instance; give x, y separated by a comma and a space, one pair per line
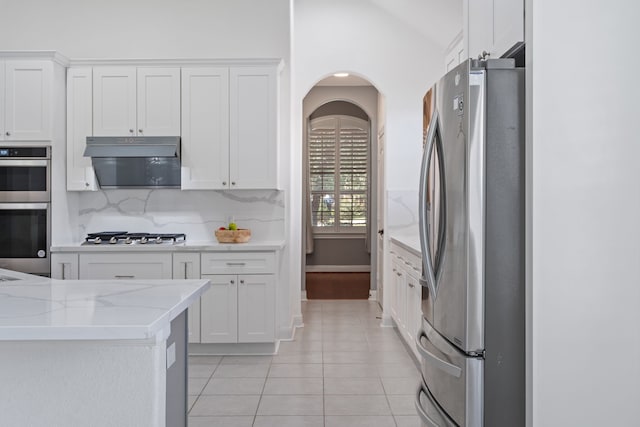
114, 101
396, 275
205, 128
28, 100
401, 299
508, 25
2, 104
219, 310
253, 153
64, 266
494, 26
80, 175
187, 266
126, 266
414, 309
158, 102
256, 308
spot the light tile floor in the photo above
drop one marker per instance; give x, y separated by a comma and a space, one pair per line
342, 370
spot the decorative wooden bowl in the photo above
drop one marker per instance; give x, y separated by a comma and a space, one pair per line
241, 235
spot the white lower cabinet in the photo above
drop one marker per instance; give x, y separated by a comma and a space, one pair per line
126, 266
64, 266
187, 266
239, 308
406, 295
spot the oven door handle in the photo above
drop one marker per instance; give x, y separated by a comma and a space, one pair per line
23, 163
23, 206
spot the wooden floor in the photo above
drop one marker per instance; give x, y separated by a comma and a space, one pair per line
337, 285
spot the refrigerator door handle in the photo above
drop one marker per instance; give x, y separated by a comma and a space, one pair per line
441, 364
428, 278
426, 419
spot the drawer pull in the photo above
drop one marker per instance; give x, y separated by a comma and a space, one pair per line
125, 277
236, 263
398, 273
411, 285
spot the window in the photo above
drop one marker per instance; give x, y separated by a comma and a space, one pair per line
339, 173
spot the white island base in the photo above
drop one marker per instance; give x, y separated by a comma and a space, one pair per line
53, 373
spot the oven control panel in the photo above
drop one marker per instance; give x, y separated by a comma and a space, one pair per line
25, 152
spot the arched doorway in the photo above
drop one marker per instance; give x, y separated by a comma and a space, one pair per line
341, 221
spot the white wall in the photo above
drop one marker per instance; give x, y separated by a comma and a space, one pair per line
148, 28
584, 276
362, 38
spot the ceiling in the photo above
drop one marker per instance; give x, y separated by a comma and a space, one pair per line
437, 20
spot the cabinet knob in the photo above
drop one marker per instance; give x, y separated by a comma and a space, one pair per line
86, 184
130, 130
8, 133
233, 183
224, 182
139, 130
233, 281
398, 273
242, 282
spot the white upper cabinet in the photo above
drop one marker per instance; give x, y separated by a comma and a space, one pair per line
136, 101
455, 53
26, 112
493, 26
205, 128
229, 128
158, 101
114, 101
80, 175
253, 151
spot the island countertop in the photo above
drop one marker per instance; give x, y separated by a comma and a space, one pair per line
39, 308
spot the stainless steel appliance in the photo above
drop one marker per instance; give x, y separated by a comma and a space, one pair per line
472, 238
25, 210
135, 162
126, 238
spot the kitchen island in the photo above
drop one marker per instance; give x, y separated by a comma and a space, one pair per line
94, 352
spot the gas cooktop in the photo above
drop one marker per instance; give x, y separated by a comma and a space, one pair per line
126, 238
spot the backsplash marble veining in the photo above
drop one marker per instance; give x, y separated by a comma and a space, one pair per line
402, 211
195, 213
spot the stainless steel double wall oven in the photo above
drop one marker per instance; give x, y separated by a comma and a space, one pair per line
25, 209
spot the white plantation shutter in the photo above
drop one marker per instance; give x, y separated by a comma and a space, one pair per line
338, 149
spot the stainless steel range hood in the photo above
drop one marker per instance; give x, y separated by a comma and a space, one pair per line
135, 162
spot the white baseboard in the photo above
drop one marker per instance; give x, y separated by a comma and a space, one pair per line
303, 295
338, 268
373, 295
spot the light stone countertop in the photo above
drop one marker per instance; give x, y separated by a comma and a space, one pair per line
39, 308
204, 246
409, 241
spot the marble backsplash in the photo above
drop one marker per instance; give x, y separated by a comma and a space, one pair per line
195, 213
402, 211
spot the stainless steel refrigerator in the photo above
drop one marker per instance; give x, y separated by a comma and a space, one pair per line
472, 232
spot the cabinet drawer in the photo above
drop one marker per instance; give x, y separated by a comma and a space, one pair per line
238, 263
125, 266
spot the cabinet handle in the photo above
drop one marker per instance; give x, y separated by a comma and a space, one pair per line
185, 270
130, 130
125, 277
236, 263
233, 281
63, 265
